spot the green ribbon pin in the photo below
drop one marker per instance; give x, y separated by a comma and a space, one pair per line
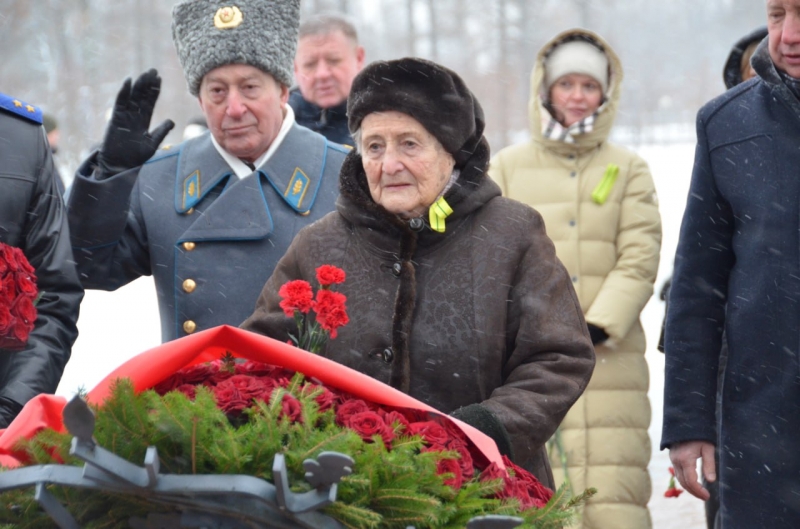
439, 211
603, 189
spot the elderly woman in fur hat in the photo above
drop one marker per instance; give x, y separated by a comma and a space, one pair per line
455, 294
599, 203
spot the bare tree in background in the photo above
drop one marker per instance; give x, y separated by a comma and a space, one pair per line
70, 56
412, 28
434, 30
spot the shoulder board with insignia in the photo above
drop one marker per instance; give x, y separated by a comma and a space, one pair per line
163, 153
340, 147
21, 108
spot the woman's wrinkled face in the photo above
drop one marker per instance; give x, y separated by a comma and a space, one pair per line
406, 166
575, 96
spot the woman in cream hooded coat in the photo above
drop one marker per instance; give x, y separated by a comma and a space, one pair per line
600, 208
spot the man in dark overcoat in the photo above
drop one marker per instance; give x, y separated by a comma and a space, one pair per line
33, 219
209, 219
737, 269
328, 59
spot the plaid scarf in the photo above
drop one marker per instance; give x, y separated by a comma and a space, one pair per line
553, 130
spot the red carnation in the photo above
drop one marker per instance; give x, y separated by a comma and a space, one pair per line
330, 275
297, 295
331, 310
672, 490
369, 423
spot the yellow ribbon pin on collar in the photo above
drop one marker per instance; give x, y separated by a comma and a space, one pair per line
439, 211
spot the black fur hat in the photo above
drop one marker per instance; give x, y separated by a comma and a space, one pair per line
432, 94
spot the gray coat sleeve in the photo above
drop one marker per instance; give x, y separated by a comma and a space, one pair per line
108, 234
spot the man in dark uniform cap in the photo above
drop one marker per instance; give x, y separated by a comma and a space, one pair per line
211, 217
32, 218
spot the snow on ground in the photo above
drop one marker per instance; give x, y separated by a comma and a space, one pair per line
128, 319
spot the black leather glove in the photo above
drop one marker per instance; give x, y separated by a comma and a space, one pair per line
487, 422
598, 335
127, 143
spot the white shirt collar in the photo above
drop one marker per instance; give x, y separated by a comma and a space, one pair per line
239, 167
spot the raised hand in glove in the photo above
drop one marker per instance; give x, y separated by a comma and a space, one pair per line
128, 142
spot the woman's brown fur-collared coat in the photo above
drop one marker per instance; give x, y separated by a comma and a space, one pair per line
483, 313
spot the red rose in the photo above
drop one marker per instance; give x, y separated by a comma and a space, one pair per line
369, 423
9, 289
395, 420
198, 373
331, 310
188, 389
450, 466
297, 295
26, 284
257, 369
325, 400
538, 493
6, 319
9, 258
25, 317
493, 472
330, 275
229, 400
249, 387
348, 408
291, 409
432, 432
24, 309
465, 458
23, 263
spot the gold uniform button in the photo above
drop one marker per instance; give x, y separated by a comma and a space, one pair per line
189, 246
189, 285
189, 326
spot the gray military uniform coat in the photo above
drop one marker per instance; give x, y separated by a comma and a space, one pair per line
210, 239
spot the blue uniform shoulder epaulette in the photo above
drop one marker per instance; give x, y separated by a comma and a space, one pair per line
339, 147
166, 151
21, 108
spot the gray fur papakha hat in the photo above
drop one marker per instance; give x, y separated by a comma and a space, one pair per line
212, 33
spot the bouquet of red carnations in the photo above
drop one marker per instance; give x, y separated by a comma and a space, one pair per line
18, 295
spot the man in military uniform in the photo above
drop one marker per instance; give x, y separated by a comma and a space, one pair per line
33, 219
210, 218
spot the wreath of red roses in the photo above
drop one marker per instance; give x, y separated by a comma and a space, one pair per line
237, 386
